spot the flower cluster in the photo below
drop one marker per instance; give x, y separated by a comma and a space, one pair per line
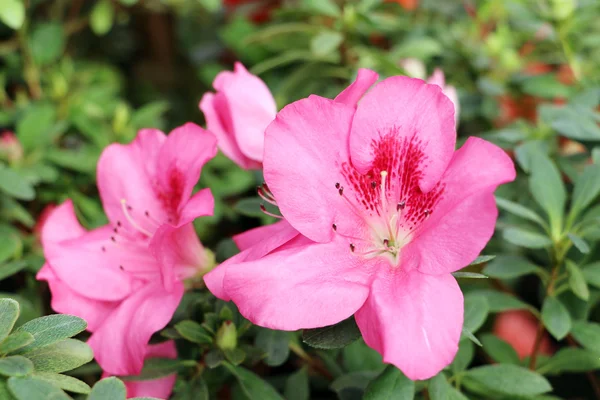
377, 210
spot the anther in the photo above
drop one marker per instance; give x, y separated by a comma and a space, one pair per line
334, 226
121, 268
337, 185
427, 212
146, 213
341, 191
103, 248
113, 239
400, 206
115, 230
352, 247
373, 184
386, 243
119, 224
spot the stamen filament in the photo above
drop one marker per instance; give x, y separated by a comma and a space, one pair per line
264, 210
131, 220
264, 197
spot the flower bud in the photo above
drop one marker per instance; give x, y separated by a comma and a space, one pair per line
10, 147
227, 336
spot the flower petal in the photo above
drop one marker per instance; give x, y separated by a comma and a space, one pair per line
414, 320
353, 93
120, 343
255, 236
302, 285
156, 388
201, 204
304, 149
409, 108
61, 224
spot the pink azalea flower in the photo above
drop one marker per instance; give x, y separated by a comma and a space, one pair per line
238, 114
438, 78
125, 278
157, 388
386, 211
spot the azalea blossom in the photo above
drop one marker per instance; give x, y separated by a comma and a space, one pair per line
238, 114
125, 278
385, 211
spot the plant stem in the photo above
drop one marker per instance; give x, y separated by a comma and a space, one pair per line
313, 363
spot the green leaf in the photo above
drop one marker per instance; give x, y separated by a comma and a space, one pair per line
61, 356
587, 334
12, 13
577, 122
499, 301
571, 359
102, 17
352, 385
194, 332
556, 318
14, 185
64, 382
32, 388
9, 312
275, 344
251, 207
440, 389
526, 238
476, 312
468, 275
577, 281
323, 7
15, 366
108, 388
591, 272
469, 335
579, 243
508, 380
333, 336
155, 368
252, 385
325, 43
545, 86
547, 188
297, 386
51, 329
11, 268
194, 390
4, 392
481, 260
499, 350
214, 358
391, 384
235, 356
587, 188
15, 341
35, 125
357, 357
47, 43
520, 211
464, 356
509, 266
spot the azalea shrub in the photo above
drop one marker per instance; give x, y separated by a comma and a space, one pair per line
301, 199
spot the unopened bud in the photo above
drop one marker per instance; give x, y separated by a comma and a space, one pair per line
227, 336
10, 147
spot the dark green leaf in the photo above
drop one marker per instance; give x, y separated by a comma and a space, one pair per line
214, 358
102, 17
235, 356
391, 384
469, 335
51, 329
481, 260
357, 357
468, 275
508, 379
11, 268
351, 385
193, 332
509, 266
12, 13
34, 127
275, 344
108, 388
476, 312
15, 366
197, 389
64, 382
297, 386
15, 341
547, 187
574, 121
556, 318
499, 350
587, 334
32, 388
47, 43
526, 238
334, 336
571, 359
579, 243
61, 356
545, 86
591, 272
9, 312
587, 188
155, 368
14, 185
464, 356
252, 385
440, 389
577, 281
499, 301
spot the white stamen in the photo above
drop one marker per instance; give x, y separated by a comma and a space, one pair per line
131, 220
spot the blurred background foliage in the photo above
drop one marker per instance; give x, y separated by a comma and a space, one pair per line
78, 75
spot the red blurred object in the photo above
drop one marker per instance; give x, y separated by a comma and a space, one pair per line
260, 10
512, 108
10, 147
406, 4
519, 328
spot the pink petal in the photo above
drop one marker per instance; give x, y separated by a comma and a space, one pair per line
201, 204
411, 110
353, 93
120, 343
67, 301
251, 106
413, 320
437, 78
254, 236
179, 253
61, 224
305, 285
304, 149
218, 121
262, 246
180, 162
158, 388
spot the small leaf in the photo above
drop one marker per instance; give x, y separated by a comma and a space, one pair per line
297, 386
14, 185
499, 350
499, 301
15, 341
570, 359
108, 388
333, 336
520, 211
34, 128
440, 389
235, 356
556, 318
526, 238
591, 273
32, 388
476, 312
508, 379
252, 385
391, 384
275, 344
509, 266
547, 187
579, 243
102, 17
9, 312
155, 368
11, 268
15, 366
587, 188
12, 13
64, 382
587, 334
325, 43
61, 356
194, 332
47, 42
577, 281
464, 356
357, 357
469, 335
481, 260
468, 275
351, 385
323, 7
214, 358
51, 329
